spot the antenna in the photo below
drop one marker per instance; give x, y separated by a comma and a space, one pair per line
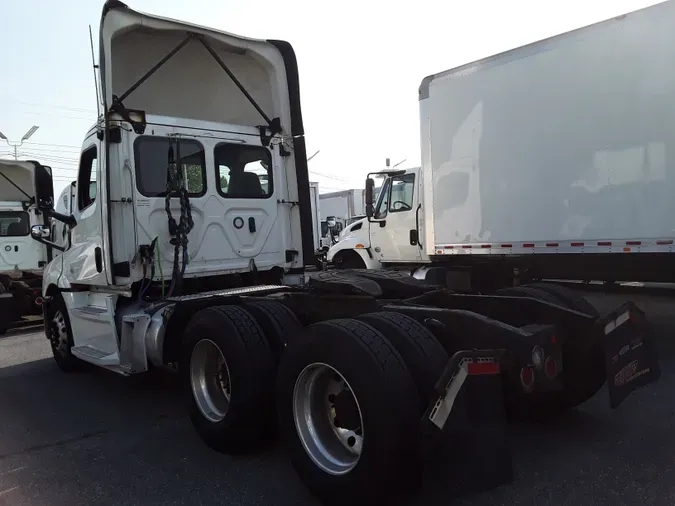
93, 63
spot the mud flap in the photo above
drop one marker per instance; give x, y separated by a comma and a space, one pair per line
466, 441
630, 356
6, 311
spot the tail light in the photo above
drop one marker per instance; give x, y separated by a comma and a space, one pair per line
551, 368
527, 378
39, 301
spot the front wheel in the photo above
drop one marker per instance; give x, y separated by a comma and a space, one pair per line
61, 336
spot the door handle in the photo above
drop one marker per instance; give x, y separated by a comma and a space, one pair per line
417, 227
251, 224
98, 257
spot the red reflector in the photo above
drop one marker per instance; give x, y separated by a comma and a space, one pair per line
467, 246
447, 247
485, 245
526, 377
553, 339
661, 243
576, 244
551, 368
528, 245
604, 243
633, 243
551, 244
507, 245
482, 368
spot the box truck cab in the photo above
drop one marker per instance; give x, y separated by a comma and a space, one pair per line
391, 232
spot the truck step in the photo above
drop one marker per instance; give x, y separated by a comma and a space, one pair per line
95, 356
92, 313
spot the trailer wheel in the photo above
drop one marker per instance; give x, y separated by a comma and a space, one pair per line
422, 353
61, 336
582, 376
278, 322
348, 414
229, 377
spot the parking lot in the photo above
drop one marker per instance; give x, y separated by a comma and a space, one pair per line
97, 438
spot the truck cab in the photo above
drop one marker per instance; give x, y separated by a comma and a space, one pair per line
391, 233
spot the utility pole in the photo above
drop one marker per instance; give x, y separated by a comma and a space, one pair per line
17, 145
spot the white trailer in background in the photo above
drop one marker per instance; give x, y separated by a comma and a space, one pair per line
22, 259
554, 160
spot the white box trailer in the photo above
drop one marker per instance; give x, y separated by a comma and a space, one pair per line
560, 148
343, 205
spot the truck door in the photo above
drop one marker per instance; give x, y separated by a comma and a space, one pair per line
393, 233
83, 260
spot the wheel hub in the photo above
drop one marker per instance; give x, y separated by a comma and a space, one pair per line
210, 380
59, 333
328, 419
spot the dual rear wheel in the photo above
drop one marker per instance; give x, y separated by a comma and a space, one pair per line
346, 396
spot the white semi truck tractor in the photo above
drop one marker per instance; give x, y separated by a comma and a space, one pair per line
190, 252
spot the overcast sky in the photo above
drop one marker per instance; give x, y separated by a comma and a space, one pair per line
361, 62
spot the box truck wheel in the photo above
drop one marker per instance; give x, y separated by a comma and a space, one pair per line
348, 414
348, 259
61, 335
278, 322
422, 353
228, 371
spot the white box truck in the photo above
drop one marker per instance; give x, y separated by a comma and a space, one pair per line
552, 160
188, 236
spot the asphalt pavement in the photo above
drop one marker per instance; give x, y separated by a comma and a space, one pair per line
98, 438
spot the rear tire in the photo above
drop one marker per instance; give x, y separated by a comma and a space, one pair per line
278, 322
368, 369
228, 373
423, 355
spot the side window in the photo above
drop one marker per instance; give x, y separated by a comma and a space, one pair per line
86, 178
153, 170
383, 203
401, 198
243, 172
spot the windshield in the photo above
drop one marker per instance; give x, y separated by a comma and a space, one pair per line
14, 223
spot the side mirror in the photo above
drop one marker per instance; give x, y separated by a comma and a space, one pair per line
39, 232
331, 222
370, 185
44, 187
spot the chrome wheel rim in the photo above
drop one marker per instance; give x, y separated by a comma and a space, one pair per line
59, 333
328, 419
210, 380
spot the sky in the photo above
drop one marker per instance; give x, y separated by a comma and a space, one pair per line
360, 62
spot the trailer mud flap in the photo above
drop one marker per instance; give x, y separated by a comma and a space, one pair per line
6, 311
630, 356
466, 445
